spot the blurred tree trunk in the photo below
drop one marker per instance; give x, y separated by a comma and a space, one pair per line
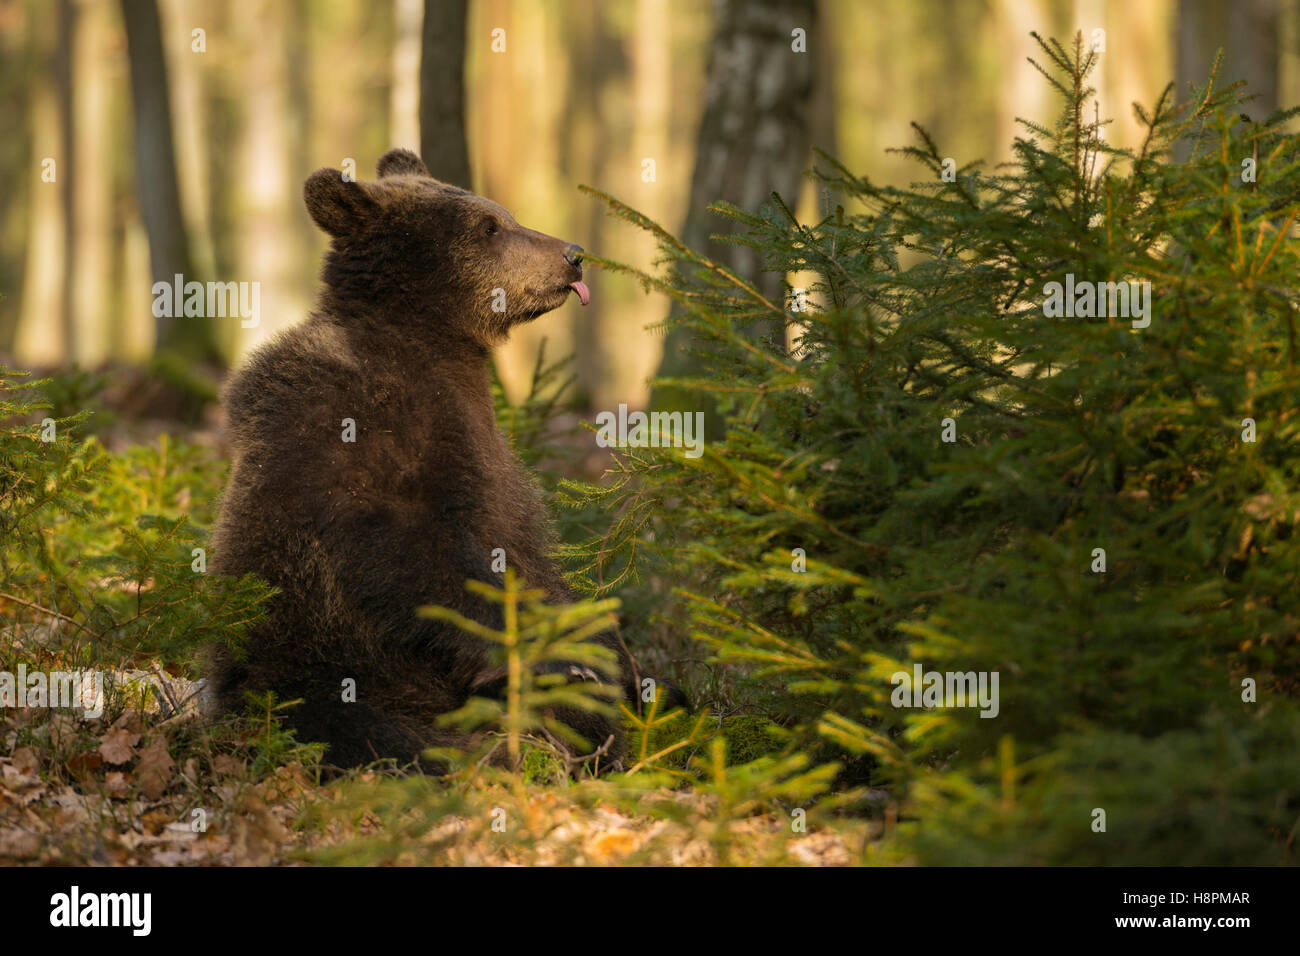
442, 92
404, 92
66, 172
24, 63
1021, 91
268, 199
754, 139
594, 151
94, 295
1247, 31
822, 126
155, 178
303, 120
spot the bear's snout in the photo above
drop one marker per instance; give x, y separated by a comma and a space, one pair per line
573, 256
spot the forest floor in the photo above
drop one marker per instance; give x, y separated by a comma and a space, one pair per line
162, 792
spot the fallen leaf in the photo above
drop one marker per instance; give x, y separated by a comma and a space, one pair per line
117, 746
18, 781
129, 720
117, 783
256, 832
227, 765
82, 765
18, 844
25, 760
157, 820
62, 729
155, 768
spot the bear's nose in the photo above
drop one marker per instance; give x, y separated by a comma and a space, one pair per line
573, 254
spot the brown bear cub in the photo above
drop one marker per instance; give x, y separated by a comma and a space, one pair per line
369, 477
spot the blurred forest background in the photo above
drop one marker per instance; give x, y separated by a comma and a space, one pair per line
221, 109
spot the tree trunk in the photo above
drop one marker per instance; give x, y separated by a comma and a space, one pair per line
155, 177
592, 151
66, 172
442, 92
404, 92
268, 199
754, 139
1248, 31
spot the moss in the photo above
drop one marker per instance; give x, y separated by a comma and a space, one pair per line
748, 738
543, 767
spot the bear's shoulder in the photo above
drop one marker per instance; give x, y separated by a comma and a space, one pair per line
306, 366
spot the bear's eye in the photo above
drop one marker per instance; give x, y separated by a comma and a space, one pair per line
490, 228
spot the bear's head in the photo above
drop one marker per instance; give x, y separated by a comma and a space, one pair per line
419, 251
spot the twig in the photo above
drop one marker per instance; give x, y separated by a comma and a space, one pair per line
45, 610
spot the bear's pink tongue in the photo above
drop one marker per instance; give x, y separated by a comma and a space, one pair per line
580, 287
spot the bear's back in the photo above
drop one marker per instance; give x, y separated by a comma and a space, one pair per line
403, 465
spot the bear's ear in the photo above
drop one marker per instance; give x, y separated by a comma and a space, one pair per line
401, 162
336, 205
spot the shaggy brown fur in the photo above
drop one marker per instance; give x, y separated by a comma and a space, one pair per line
357, 535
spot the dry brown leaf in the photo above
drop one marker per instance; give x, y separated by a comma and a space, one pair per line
228, 765
130, 720
157, 820
62, 729
155, 768
82, 765
19, 781
117, 745
25, 761
18, 844
256, 832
